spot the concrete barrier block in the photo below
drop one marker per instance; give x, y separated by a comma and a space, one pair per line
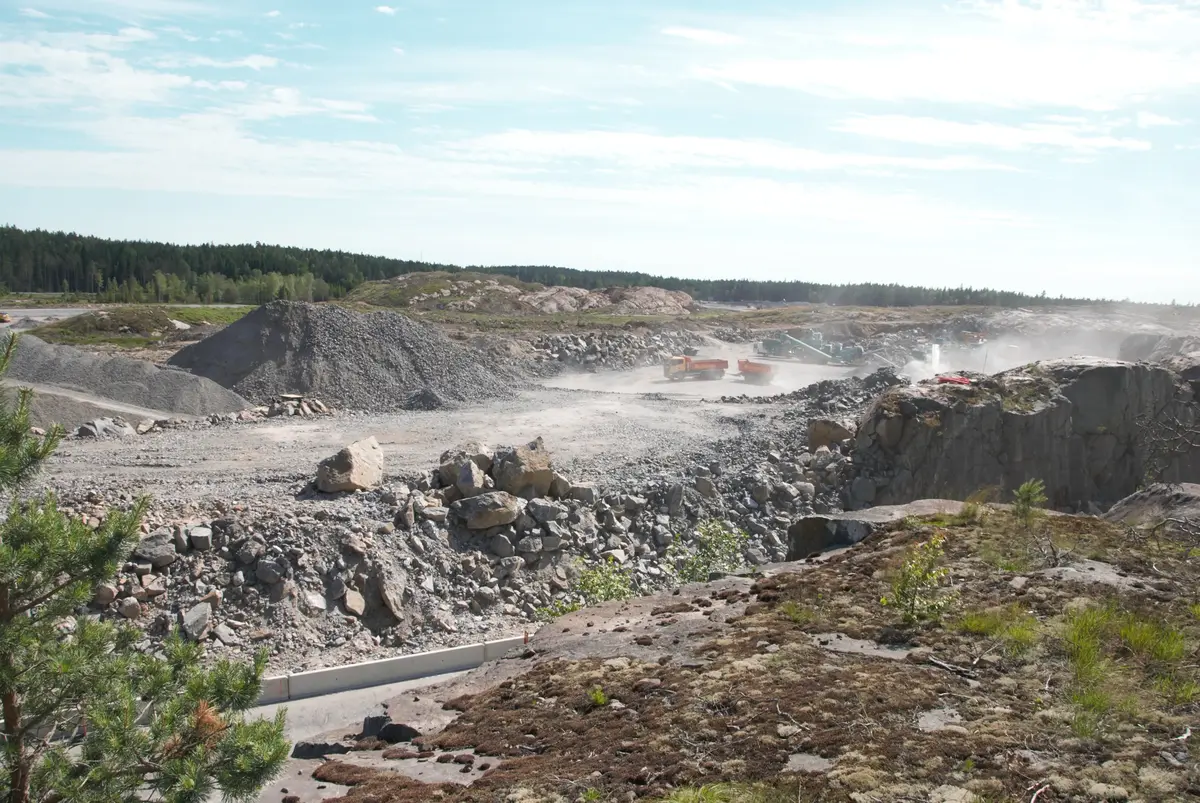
274, 690
494, 650
387, 670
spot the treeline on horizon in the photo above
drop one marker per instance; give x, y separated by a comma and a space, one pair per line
37, 261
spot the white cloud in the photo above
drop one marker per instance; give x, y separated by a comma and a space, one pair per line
1152, 120
1005, 53
399, 51
150, 8
211, 154
653, 151
231, 86
282, 102
254, 62
273, 13
1059, 133
389, 10
68, 74
34, 13
704, 36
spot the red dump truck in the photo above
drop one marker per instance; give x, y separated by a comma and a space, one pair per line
755, 373
678, 368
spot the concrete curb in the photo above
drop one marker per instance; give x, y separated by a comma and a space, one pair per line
335, 679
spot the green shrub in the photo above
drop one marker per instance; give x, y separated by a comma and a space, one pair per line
717, 550
918, 590
605, 582
598, 697
1028, 502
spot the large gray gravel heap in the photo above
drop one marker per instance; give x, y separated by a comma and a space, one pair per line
377, 361
120, 379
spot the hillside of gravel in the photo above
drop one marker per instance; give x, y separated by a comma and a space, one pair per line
119, 379
379, 361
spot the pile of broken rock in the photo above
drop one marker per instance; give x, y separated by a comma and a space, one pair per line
360, 564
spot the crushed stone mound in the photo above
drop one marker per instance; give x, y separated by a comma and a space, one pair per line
378, 361
119, 379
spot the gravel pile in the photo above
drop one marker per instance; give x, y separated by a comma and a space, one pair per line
829, 396
120, 379
380, 361
610, 351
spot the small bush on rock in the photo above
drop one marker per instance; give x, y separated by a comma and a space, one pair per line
1028, 502
604, 582
918, 590
718, 550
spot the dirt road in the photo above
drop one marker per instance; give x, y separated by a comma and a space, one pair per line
593, 436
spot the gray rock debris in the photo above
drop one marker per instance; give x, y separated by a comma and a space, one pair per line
378, 361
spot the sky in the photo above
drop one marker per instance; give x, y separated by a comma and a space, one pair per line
1034, 145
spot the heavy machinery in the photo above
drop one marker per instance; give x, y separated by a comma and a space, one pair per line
686, 367
785, 347
755, 373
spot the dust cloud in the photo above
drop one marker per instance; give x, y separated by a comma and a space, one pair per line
788, 376
994, 356
1013, 351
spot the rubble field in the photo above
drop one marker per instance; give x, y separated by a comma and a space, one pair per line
336, 487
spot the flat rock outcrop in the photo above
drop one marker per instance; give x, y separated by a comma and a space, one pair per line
1075, 424
820, 533
1158, 502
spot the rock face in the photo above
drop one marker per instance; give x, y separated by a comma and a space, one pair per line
1072, 424
811, 535
358, 467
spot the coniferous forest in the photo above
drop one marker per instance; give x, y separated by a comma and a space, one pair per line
132, 271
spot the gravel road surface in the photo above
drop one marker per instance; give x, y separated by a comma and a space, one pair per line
593, 436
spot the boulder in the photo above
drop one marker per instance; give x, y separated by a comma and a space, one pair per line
130, 608
811, 535
270, 571
524, 470
472, 480
354, 603
494, 509
391, 591
201, 538
502, 547
357, 467
195, 622
827, 432
105, 594
106, 428
585, 492
544, 511
452, 461
158, 548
